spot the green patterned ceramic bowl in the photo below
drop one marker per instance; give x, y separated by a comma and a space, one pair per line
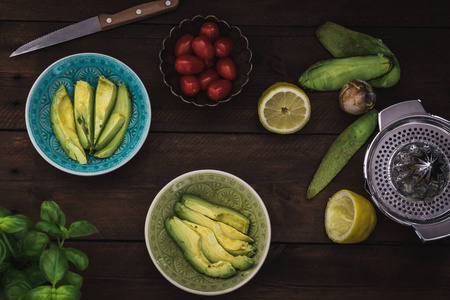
217, 187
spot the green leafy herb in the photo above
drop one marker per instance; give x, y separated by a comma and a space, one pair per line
36, 266
77, 257
81, 228
51, 212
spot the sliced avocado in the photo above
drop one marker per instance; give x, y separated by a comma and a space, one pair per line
63, 125
233, 246
226, 229
217, 212
233, 233
105, 99
215, 252
190, 243
83, 105
124, 107
112, 127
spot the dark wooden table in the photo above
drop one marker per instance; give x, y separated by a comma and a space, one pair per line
302, 262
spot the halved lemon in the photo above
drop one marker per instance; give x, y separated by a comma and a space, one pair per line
284, 108
349, 218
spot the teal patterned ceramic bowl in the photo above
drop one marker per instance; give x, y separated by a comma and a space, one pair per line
217, 187
67, 71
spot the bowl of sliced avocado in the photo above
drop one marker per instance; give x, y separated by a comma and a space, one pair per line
208, 232
88, 114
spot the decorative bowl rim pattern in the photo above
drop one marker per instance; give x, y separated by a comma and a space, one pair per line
112, 163
230, 27
172, 186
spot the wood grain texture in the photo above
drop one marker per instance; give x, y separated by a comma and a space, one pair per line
423, 62
302, 262
271, 164
290, 271
280, 13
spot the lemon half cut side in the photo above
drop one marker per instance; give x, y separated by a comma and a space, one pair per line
284, 108
349, 218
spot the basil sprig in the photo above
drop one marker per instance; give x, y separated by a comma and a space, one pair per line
34, 264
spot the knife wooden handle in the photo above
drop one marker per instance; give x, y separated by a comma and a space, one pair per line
137, 13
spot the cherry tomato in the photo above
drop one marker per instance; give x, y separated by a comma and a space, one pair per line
226, 68
210, 30
203, 47
219, 89
184, 45
209, 63
223, 46
190, 85
206, 77
189, 65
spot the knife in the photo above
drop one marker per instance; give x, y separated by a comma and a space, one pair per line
99, 23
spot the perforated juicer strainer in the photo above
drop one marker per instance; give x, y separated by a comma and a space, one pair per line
406, 168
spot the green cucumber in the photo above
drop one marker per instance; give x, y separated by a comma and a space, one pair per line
333, 74
344, 42
342, 150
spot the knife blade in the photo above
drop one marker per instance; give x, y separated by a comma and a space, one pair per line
99, 23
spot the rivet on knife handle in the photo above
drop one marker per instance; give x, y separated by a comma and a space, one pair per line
137, 13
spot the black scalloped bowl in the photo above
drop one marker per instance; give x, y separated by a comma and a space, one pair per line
241, 55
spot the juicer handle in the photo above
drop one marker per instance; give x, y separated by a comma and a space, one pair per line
400, 111
430, 232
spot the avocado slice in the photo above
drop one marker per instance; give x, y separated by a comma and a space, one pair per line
217, 212
123, 107
63, 125
113, 126
226, 229
83, 105
233, 233
215, 252
233, 246
105, 99
190, 243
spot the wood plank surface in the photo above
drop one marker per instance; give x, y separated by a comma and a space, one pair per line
256, 13
303, 263
127, 193
292, 271
423, 61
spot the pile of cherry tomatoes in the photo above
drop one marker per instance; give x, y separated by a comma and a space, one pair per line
204, 63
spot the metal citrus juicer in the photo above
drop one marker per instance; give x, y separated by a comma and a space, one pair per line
406, 168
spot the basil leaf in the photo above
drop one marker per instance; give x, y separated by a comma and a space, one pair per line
48, 227
51, 212
11, 224
17, 291
17, 237
2, 251
81, 228
34, 276
4, 212
68, 292
72, 278
34, 243
64, 232
54, 264
40, 293
77, 257
13, 277
14, 242
4, 266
